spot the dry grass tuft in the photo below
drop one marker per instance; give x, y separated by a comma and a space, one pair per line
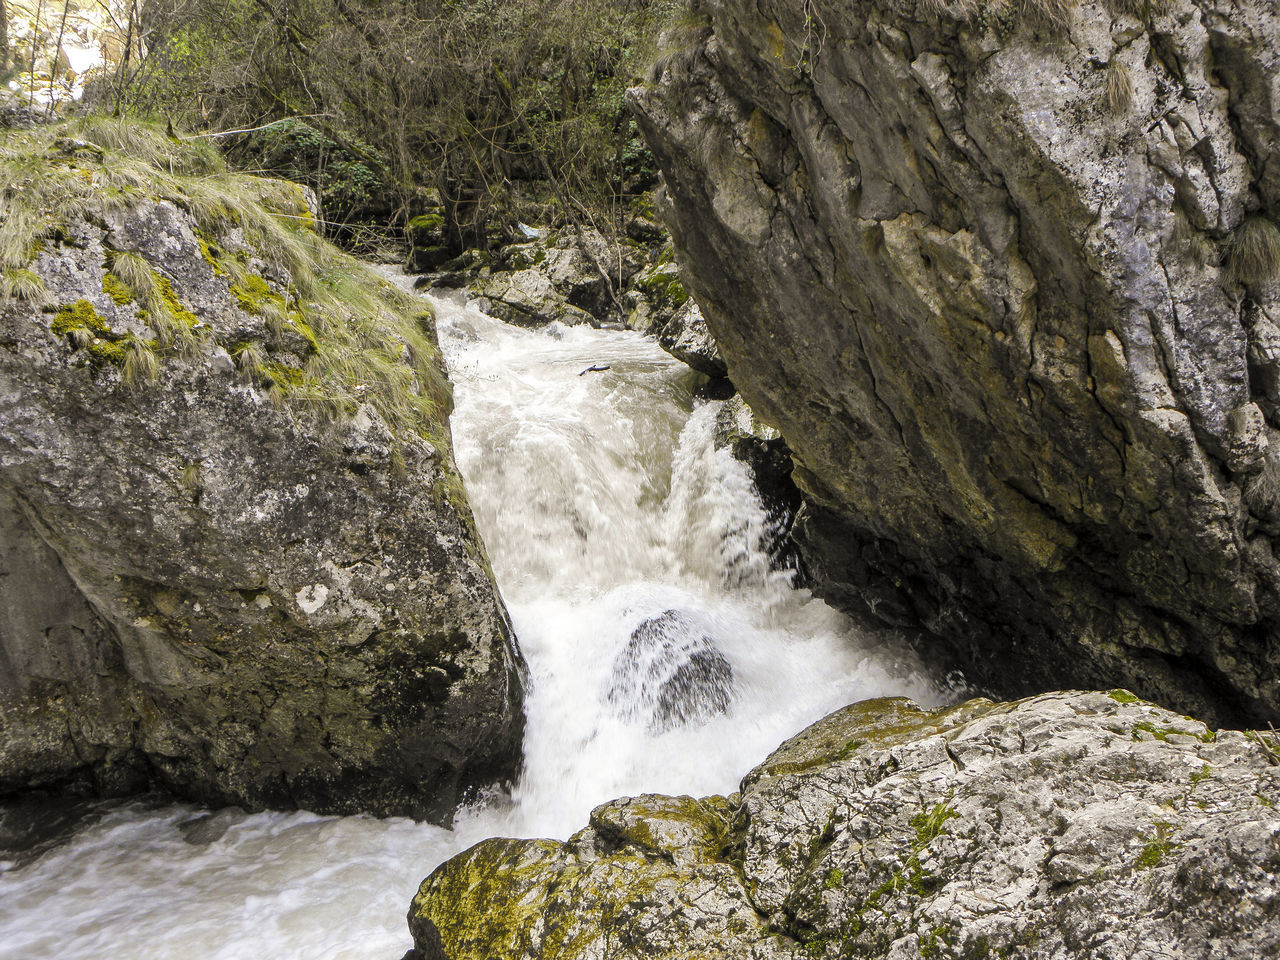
1254, 255
20, 284
141, 365
1119, 87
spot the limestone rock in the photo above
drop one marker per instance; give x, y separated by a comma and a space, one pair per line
236, 562
686, 337
981, 269
764, 452
1068, 825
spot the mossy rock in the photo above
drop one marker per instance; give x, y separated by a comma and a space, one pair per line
426, 259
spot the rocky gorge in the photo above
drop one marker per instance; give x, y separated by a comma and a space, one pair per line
1005, 280
983, 303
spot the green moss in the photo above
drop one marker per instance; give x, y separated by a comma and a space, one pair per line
834, 877
365, 342
121, 293
105, 351
1157, 847
301, 326
427, 221
934, 941
664, 283
284, 375
1164, 733
81, 316
1124, 696
254, 294
175, 307
84, 329
929, 826
1204, 773
212, 252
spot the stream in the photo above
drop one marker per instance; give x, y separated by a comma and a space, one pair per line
665, 655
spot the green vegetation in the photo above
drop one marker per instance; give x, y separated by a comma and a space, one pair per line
1124, 696
504, 109
1157, 847
85, 330
1164, 733
365, 341
931, 825
24, 285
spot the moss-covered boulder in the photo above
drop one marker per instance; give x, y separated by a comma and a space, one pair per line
237, 561
1069, 825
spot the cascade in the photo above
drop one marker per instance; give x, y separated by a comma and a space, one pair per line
666, 654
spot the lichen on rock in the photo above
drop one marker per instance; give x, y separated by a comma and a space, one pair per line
1017, 325
1052, 827
223, 448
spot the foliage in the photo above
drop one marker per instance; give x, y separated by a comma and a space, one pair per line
492, 103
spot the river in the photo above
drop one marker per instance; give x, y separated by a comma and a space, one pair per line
665, 655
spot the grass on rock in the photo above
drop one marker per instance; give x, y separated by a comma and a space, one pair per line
365, 340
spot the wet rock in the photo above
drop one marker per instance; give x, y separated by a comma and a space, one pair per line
686, 337
670, 674
768, 457
981, 269
32, 825
207, 828
236, 564
528, 298
426, 237
1068, 825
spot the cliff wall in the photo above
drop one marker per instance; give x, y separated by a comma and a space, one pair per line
1004, 276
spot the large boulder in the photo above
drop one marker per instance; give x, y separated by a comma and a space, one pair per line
1069, 825
1004, 277
236, 560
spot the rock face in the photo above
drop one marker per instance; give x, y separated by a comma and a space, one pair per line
686, 337
236, 561
1068, 825
1005, 281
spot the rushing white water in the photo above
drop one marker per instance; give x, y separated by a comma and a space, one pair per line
665, 655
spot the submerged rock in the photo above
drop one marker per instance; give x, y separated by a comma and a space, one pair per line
686, 337
1068, 825
236, 560
670, 674
1006, 282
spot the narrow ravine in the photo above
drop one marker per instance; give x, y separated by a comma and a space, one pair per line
665, 655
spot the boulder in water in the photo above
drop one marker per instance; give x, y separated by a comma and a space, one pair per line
1068, 825
670, 674
235, 559
1004, 277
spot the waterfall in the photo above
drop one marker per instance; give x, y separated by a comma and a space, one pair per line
666, 654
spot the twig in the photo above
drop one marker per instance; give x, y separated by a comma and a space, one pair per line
273, 123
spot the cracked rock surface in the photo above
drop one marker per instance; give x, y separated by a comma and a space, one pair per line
208, 590
1068, 825
979, 269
